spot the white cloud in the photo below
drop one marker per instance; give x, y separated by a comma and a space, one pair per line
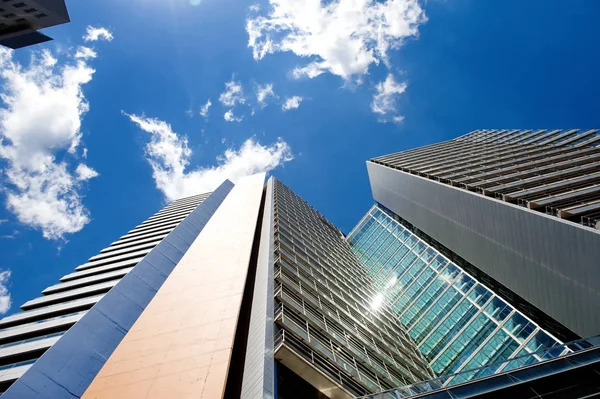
398, 119
233, 94
93, 34
84, 172
230, 117
5, 299
204, 108
263, 93
12, 236
254, 8
384, 99
85, 53
40, 120
291, 103
3, 221
169, 156
342, 37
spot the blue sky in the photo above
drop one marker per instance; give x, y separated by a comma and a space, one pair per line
97, 135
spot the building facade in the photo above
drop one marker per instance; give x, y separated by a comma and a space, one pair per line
20, 21
250, 292
244, 292
516, 208
55, 347
456, 321
327, 310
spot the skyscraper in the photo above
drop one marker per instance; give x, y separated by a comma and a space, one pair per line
57, 344
250, 292
515, 208
327, 311
239, 293
21, 20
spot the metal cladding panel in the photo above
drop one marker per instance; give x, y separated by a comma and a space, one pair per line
258, 381
70, 365
552, 264
181, 344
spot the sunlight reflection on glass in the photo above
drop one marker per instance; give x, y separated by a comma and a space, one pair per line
377, 301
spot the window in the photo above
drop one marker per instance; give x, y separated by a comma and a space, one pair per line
40, 15
9, 15
19, 5
30, 10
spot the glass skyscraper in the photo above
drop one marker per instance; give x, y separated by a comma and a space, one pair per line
517, 208
456, 322
328, 311
249, 292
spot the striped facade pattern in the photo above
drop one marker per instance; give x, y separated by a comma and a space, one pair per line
27, 335
328, 315
556, 172
456, 321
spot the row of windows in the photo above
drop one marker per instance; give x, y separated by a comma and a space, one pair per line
332, 264
319, 276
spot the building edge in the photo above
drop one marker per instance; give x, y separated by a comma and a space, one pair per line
259, 374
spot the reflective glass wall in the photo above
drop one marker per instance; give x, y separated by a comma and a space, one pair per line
457, 323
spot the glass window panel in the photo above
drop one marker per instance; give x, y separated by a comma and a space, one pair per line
540, 341
480, 294
498, 309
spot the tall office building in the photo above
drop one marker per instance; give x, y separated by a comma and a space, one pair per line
59, 341
20, 21
244, 292
328, 312
515, 208
250, 292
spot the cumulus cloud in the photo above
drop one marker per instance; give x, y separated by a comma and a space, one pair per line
342, 37
40, 125
85, 53
230, 117
94, 34
233, 94
169, 156
291, 103
384, 99
5, 299
84, 172
204, 108
263, 93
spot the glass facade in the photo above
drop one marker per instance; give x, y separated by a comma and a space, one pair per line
457, 323
327, 309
